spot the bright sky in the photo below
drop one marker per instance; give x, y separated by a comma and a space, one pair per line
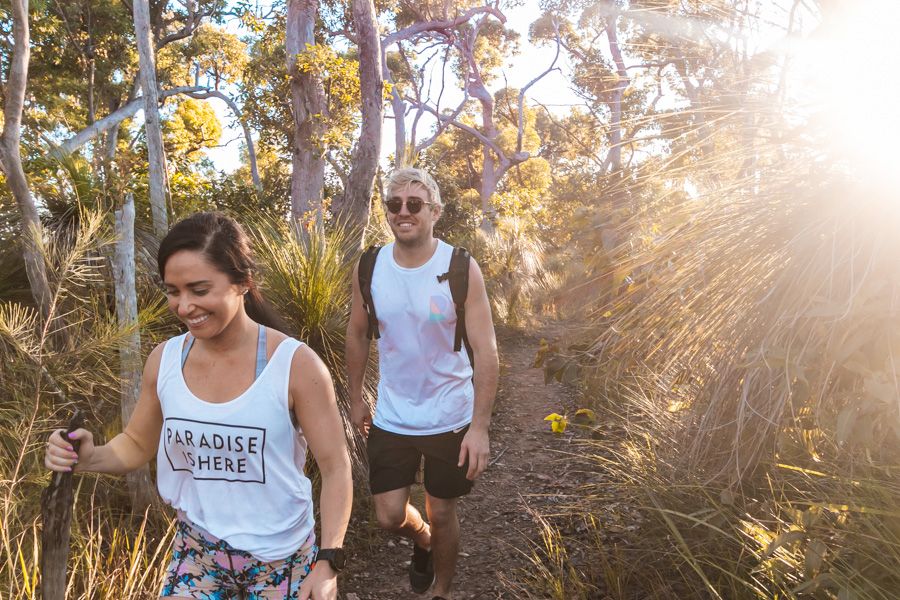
552, 90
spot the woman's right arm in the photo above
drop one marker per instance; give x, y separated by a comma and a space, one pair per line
129, 450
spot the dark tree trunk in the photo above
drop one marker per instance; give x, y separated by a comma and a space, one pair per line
56, 516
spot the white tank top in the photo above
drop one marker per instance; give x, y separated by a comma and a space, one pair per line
424, 387
235, 469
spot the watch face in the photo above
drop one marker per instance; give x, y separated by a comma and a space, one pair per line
336, 557
339, 560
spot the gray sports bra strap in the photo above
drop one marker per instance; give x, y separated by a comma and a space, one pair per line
260, 352
261, 359
186, 349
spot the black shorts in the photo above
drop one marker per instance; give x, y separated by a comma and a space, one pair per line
394, 460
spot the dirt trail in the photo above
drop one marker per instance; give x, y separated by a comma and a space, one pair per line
496, 525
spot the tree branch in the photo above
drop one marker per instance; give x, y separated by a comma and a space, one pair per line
251, 151
443, 125
338, 169
193, 22
419, 28
552, 67
489, 143
126, 112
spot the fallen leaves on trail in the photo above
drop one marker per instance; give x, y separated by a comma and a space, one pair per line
558, 422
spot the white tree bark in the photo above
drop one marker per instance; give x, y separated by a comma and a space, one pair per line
113, 119
307, 100
156, 153
618, 92
11, 159
140, 484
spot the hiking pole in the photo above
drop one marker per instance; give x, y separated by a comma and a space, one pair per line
56, 514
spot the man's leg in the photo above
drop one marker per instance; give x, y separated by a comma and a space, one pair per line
444, 541
396, 514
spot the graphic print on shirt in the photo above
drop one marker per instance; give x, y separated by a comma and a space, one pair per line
214, 451
440, 308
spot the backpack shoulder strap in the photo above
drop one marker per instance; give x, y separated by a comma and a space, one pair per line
458, 276
364, 274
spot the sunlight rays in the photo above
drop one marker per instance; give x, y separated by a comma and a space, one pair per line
844, 73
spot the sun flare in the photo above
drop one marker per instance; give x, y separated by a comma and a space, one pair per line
846, 76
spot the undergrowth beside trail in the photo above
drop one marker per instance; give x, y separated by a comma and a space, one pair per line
745, 389
50, 366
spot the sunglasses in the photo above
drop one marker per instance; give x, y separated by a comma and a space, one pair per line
413, 205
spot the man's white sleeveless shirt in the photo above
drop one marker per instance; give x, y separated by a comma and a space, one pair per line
425, 387
235, 469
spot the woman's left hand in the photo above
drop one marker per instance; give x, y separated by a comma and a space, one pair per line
320, 584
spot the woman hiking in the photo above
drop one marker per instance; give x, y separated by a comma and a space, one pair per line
228, 409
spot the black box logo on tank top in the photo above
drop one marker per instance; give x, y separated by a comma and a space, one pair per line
214, 451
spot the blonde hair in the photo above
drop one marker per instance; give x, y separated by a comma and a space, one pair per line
407, 175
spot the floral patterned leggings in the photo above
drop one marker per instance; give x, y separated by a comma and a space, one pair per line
207, 568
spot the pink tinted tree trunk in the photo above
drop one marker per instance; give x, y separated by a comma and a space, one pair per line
354, 205
307, 100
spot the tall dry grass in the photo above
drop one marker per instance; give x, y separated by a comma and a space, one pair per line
743, 362
748, 366
44, 373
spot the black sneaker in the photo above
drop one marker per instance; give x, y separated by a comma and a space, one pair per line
421, 570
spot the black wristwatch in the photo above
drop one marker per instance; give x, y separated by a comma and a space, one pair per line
336, 557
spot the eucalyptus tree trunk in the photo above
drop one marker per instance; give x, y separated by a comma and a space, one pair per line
155, 151
140, 484
354, 205
618, 92
307, 101
490, 176
11, 159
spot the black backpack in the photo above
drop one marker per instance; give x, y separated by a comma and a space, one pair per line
458, 276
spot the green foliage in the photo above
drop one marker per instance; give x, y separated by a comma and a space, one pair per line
340, 77
234, 192
192, 127
71, 41
219, 55
266, 91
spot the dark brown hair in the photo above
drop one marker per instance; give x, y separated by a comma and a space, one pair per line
222, 241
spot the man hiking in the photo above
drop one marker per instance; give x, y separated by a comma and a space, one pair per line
434, 396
